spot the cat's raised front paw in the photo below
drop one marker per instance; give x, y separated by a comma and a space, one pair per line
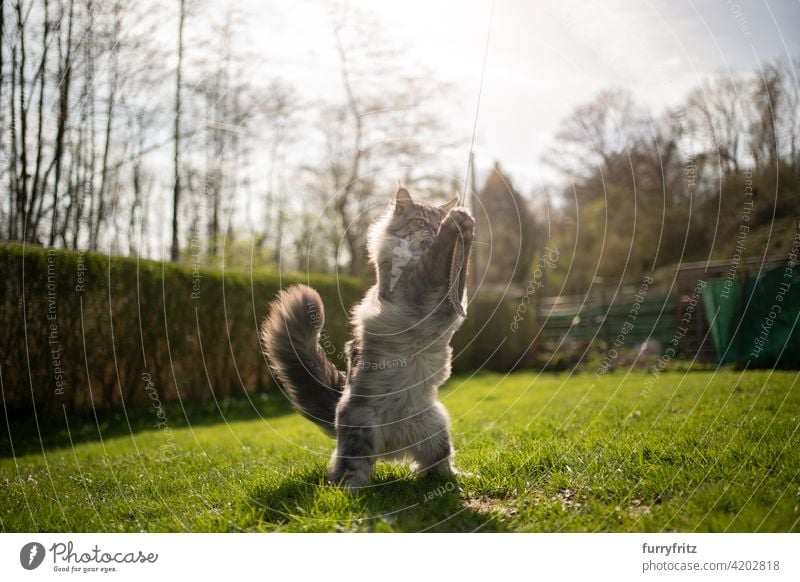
459, 221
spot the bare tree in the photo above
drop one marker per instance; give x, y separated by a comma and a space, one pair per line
767, 103
65, 77
599, 136
37, 197
386, 120
716, 113
789, 117
22, 114
176, 190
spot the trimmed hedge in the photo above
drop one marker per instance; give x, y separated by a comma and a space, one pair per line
498, 335
84, 332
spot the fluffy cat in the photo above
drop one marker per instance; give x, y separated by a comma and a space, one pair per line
385, 405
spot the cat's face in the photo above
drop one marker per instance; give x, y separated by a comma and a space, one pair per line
400, 237
415, 223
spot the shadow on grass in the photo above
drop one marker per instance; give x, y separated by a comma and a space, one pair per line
396, 500
52, 435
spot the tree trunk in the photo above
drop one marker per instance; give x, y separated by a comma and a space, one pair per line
37, 189
63, 116
176, 192
2, 68
22, 178
12, 161
99, 218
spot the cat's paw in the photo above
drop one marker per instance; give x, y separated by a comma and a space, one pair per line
353, 483
348, 480
459, 221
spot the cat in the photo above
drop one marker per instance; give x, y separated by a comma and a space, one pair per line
385, 404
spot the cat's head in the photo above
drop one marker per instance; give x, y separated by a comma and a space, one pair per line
406, 229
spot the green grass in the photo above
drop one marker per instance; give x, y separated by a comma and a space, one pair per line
703, 451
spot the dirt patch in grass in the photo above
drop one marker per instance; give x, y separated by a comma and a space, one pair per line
637, 509
506, 507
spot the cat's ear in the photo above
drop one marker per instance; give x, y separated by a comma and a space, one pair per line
402, 200
449, 205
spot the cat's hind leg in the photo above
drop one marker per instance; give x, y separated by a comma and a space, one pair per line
432, 451
352, 462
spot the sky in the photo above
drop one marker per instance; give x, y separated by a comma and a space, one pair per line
544, 57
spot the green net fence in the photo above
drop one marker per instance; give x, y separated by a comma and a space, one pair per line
754, 318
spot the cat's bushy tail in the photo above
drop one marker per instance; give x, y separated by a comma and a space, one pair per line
290, 336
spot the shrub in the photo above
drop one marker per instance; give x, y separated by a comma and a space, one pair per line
487, 340
88, 333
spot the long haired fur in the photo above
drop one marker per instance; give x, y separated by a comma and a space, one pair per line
290, 336
385, 405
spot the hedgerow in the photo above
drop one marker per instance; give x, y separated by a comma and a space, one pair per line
85, 332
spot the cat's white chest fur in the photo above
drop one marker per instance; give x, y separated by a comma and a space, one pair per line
411, 357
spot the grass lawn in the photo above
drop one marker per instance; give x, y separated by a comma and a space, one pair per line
702, 451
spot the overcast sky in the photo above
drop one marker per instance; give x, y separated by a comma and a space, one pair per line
545, 57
